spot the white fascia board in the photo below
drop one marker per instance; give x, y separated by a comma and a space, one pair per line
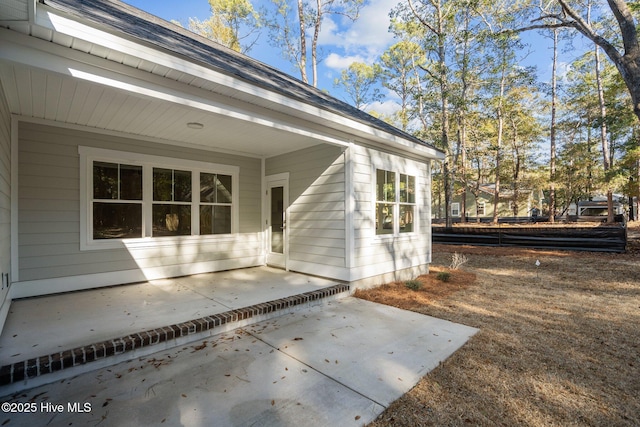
52, 20
46, 60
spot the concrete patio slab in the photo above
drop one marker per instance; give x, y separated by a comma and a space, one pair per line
337, 364
44, 325
376, 350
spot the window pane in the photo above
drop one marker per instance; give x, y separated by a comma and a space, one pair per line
117, 220
221, 219
181, 186
385, 186
171, 220
406, 218
130, 182
162, 183
223, 188
407, 189
208, 187
105, 180
215, 219
384, 218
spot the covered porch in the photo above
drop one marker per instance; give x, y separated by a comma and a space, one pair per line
100, 327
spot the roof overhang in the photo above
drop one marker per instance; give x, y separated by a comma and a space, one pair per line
67, 69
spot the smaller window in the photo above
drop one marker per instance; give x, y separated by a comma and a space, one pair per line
395, 202
480, 209
455, 209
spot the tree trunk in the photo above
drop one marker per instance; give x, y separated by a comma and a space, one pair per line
606, 155
303, 43
552, 161
314, 42
496, 200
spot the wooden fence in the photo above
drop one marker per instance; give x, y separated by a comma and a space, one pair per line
596, 239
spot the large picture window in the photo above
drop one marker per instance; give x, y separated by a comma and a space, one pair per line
142, 197
395, 202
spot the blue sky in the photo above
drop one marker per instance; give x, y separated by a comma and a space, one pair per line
362, 41
341, 42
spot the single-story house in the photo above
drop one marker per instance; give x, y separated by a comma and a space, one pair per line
132, 149
482, 207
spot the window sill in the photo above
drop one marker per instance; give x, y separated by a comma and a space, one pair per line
155, 242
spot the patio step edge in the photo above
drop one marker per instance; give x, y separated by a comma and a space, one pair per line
152, 340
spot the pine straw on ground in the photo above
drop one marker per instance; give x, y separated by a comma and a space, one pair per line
559, 344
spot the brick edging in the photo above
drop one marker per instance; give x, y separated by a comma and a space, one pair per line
32, 368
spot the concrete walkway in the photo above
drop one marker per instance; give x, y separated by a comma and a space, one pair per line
337, 364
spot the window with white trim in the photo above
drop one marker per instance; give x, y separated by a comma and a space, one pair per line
117, 200
395, 202
150, 196
455, 209
480, 209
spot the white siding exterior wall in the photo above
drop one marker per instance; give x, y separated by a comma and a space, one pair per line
316, 223
5, 206
49, 218
376, 257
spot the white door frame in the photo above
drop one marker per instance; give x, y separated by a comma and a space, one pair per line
276, 259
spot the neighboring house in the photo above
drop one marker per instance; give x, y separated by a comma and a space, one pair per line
597, 208
483, 206
131, 149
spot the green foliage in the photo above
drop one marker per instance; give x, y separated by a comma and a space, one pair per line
444, 276
414, 285
358, 81
225, 23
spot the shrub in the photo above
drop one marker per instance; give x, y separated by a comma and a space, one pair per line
444, 276
414, 285
457, 260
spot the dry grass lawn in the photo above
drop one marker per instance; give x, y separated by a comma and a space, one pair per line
559, 344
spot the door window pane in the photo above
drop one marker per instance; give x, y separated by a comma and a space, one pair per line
277, 220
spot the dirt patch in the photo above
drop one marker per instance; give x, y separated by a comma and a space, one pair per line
559, 343
432, 289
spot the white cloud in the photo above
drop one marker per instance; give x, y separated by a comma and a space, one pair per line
386, 108
339, 62
369, 34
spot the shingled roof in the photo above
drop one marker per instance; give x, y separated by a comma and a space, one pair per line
117, 17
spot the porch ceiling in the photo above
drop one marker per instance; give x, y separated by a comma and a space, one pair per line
43, 94
111, 67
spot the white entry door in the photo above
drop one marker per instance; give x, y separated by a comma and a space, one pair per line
277, 202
